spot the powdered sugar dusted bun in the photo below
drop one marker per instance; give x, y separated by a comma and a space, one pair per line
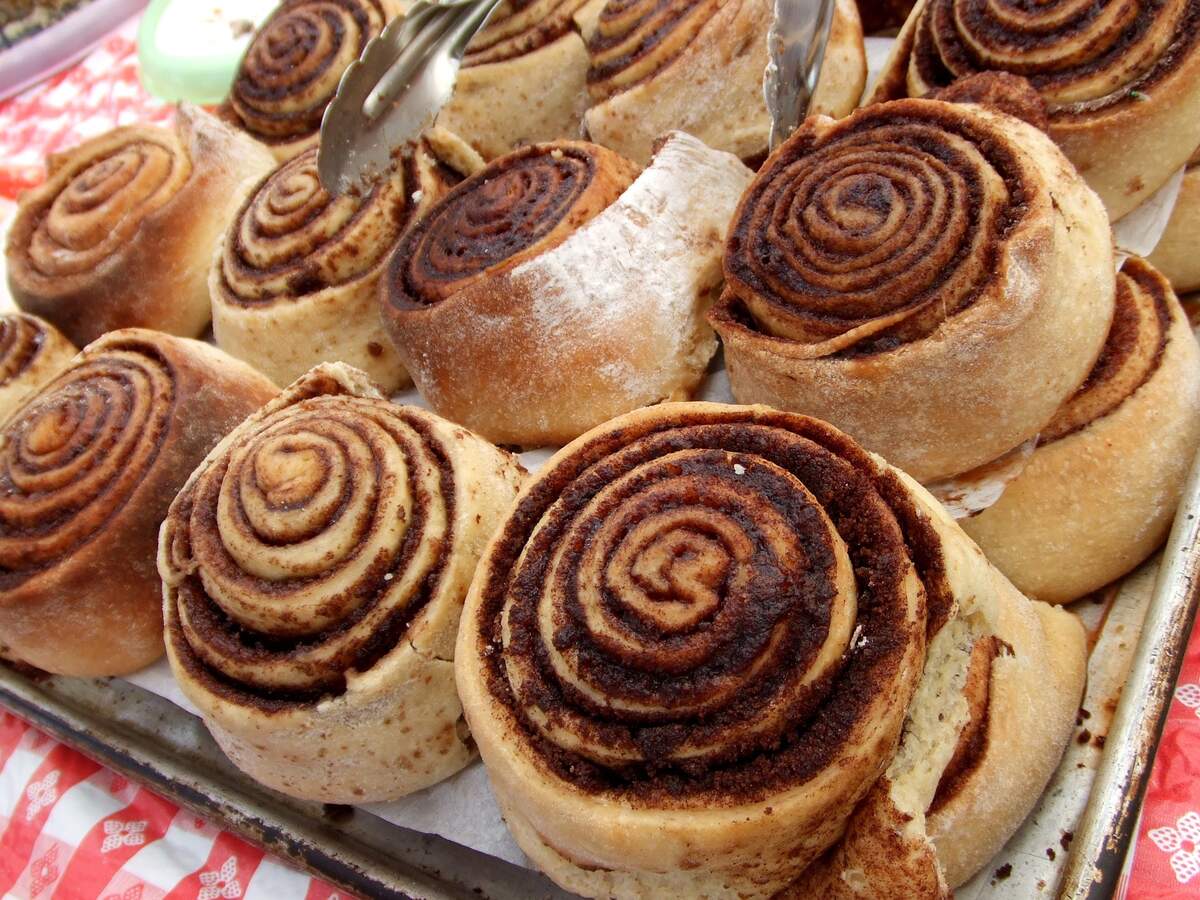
314, 568
32, 352
1121, 80
123, 231
932, 277
558, 288
296, 281
707, 637
292, 68
524, 77
1099, 493
88, 468
697, 66
1177, 255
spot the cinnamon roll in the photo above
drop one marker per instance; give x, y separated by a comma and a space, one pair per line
1100, 491
1122, 80
297, 279
558, 287
932, 277
314, 568
697, 66
1177, 255
712, 646
292, 68
123, 231
524, 77
88, 468
31, 353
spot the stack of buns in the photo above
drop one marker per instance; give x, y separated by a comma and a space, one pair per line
710, 649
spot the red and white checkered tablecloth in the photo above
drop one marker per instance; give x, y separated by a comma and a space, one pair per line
70, 829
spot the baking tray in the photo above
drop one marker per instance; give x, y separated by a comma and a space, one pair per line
1073, 844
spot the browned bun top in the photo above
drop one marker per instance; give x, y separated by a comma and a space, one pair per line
1001, 91
73, 457
1079, 54
1131, 355
522, 26
22, 340
293, 66
519, 206
308, 544
701, 605
861, 235
94, 204
291, 238
635, 39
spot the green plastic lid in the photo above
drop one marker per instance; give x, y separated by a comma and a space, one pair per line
190, 49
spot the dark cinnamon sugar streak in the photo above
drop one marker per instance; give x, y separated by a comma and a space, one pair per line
291, 71
635, 39
521, 27
21, 340
74, 456
707, 607
873, 233
313, 542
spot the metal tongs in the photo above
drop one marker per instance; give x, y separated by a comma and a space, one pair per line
407, 74
395, 90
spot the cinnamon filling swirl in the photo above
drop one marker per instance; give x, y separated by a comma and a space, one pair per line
706, 607
73, 457
519, 206
292, 68
870, 235
21, 341
311, 544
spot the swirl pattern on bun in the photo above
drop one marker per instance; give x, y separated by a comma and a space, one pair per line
691, 650
31, 353
122, 232
918, 256
558, 287
1122, 80
297, 279
87, 470
293, 66
314, 568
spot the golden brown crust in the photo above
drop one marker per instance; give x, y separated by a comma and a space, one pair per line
1122, 81
1099, 492
292, 68
558, 288
122, 233
658, 716
296, 281
313, 571
88, 468
917, 256
32, 352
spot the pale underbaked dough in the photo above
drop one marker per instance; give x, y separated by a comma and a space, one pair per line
87, 470
32, 351
585, 301
934, 278
702, 72
122, 233
636, 755
1099, 493
313, 573
296, 278
1122, 83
